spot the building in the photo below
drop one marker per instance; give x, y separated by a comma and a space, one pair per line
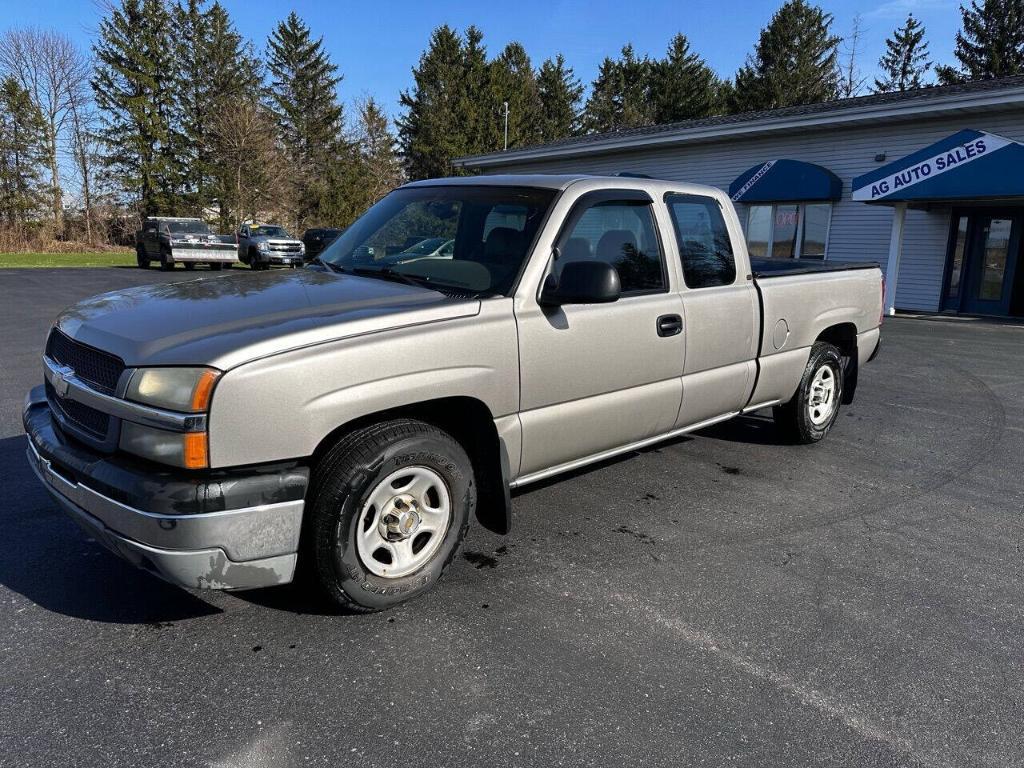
928, 182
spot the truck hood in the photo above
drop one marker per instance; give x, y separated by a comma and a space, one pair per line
229, 320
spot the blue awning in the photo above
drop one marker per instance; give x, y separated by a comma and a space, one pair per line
969, 165
785, 181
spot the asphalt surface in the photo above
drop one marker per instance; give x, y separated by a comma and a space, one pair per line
720, 599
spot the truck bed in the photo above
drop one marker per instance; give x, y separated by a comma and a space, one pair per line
765, 268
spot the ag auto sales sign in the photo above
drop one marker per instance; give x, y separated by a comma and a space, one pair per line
942, 162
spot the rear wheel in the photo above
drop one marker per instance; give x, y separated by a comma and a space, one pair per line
390, 507
190, 265
216, 266
809, 416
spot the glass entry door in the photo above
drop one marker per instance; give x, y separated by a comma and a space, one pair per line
984, 262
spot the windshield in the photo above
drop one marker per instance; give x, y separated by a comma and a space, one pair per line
269, 231
188, 227
456, 237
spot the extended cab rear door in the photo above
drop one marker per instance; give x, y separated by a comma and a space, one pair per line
598, 376
721, 314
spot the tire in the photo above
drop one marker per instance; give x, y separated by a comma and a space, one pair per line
254, 262
189, 265
358, 485
216, 266
166, 262
812, 411
140, 258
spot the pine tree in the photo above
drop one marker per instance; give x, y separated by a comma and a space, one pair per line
905, 61
437, 124
23, 155
473, 95
133, 86
620, 96
991, 43
303, 96
683, 86
513, 82
560, 94
794, 62
216, 69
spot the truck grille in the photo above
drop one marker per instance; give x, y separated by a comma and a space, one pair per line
100, 369
95, 423
285, 248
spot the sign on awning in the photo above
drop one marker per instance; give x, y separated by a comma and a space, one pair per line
968, 165
785, 181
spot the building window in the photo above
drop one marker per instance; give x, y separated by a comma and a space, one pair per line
788, 230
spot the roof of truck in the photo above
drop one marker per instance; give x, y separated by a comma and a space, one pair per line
655, 187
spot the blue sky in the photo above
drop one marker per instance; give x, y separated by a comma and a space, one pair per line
376, 44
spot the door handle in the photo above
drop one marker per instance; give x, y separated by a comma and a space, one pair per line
670, 325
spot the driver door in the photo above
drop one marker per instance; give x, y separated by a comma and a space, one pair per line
595, 377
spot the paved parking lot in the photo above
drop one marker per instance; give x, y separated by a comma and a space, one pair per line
720, 599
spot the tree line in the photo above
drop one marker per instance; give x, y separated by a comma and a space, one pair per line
173, 112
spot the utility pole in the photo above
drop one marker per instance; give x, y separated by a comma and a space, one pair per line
506, 124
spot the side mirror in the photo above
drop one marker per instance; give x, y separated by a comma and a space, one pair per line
582, 282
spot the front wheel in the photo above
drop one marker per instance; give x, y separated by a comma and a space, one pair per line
812, 411
389, 509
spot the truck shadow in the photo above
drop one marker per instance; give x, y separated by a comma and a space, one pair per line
752, 429
50, 561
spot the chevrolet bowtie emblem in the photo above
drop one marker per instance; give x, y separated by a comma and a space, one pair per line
61, 380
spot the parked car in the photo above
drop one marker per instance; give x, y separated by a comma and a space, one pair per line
430, 248
319, 238
357, 415
170, 240
261, 245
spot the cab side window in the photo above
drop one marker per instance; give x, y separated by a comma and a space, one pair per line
704, 245
621, 233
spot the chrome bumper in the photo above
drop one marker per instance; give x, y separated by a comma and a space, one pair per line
240, 548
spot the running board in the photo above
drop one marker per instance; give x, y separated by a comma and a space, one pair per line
568, 466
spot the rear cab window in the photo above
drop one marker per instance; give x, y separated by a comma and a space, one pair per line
705, 248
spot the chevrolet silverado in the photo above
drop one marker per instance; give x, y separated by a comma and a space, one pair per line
349, 419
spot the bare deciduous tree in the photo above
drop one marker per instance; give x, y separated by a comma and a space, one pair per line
250, 165
377, 150
52, 69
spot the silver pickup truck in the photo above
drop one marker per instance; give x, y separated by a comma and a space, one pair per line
350, 418
262, 245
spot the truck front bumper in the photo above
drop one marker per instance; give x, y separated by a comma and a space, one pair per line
218, 530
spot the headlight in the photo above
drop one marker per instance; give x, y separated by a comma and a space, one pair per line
262, 246
176, 389
302, 247
179, 449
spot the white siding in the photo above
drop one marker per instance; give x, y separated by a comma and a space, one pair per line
859, 231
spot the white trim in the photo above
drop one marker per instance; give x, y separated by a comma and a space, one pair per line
892, 266
901, 110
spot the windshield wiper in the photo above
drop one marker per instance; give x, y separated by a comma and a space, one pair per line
327, 264
387, 273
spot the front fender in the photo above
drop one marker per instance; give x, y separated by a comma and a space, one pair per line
286, 404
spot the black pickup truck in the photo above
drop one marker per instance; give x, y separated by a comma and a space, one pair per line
168, 241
